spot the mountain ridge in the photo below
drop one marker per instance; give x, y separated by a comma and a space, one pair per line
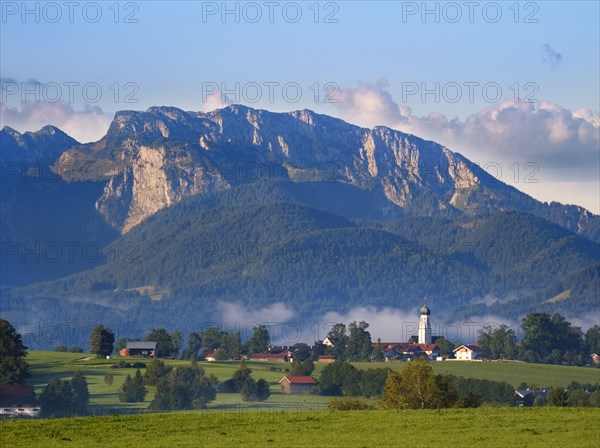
154, 158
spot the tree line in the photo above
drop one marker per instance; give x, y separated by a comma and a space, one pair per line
549, 339
546, 339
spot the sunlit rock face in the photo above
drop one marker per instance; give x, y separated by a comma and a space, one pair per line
152, 159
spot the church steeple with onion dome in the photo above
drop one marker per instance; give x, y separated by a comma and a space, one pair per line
425, 326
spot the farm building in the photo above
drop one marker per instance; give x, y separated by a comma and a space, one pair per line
407, 350
210, 355
272, 357
18, 401
430, 350
326, 358
297, 384
526, 397
140, 349
467, 352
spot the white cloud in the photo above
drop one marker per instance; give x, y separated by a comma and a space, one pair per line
394, 325
368, 104
87, 125
388, 324
235, 313
242, 318
564, 144
216, 100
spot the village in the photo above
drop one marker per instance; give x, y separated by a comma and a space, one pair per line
298, 361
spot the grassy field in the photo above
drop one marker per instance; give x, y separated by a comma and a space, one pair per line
104, 399
540, 375
482, 427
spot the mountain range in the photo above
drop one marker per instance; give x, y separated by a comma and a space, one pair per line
175, 210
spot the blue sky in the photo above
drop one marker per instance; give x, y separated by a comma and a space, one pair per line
375, 60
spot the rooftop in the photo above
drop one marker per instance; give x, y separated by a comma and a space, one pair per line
299, 379
141, 345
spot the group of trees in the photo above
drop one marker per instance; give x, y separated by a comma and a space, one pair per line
227, 345
302, 368
65, 349
574, 395
342, 378
552, 339
546, 339
59, 397
62, 398
352, 343
167, 344
417, 387
183, 387
242, 382
133, 389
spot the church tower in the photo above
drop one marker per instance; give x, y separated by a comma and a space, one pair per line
425, 326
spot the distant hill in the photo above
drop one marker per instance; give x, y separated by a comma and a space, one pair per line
173, 211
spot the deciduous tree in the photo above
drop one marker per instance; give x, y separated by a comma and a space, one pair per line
13, 367
166, 346
358, 346
259, 341
592, 339
415, 387
340, 378
339, 339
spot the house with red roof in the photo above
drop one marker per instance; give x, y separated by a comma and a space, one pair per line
269, 357
297, 384
18, 401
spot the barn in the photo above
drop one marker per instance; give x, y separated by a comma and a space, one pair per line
268, 357
139, 348
297, 384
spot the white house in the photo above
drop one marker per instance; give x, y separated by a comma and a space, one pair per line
467, 352
327, 342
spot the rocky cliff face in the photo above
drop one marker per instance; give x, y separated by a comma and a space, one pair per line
155, 158
153, 179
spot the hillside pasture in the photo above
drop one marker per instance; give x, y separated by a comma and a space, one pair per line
46, 366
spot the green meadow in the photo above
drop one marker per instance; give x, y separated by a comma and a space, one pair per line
481, 427
104, 398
